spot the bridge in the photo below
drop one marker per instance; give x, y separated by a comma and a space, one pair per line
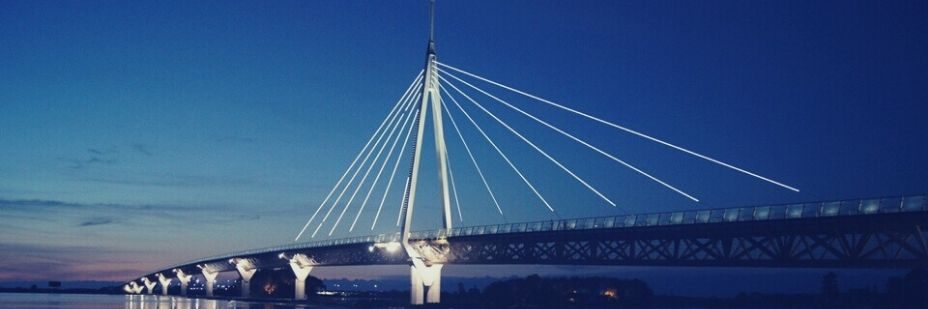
865, 233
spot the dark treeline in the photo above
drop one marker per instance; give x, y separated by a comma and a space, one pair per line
279, 283
908, 291
905, 292
574, 292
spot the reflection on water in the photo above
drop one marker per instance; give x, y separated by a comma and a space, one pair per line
80, 301
176, 302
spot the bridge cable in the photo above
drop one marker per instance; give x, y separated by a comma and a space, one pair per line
545, 154
503, 155
628, 130
386, 161
337, 184
470, 154
396, 166
351, 180
626, 164
370, 167
457, 200
404, 204
403, 201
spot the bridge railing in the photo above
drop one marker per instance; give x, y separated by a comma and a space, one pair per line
755, 213
382, 238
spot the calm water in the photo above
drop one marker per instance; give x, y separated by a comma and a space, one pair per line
55, 301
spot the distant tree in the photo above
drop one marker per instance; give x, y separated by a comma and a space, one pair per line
909, 291
280, 283
596, 292
636, 293
314, 284
473, 291
830, 286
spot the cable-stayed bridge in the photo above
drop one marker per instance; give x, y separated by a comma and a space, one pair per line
868, 233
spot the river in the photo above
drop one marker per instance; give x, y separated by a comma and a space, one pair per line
86, 301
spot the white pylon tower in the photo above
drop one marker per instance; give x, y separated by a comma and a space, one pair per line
431, 98
425, 276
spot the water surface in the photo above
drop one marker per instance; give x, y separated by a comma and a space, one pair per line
82, 301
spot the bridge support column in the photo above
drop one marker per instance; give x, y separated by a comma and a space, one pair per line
415, 288
210, 277
300, 283
184, 280
425, 281
149, 285
165, 283
133, 288
301, 266
246, 269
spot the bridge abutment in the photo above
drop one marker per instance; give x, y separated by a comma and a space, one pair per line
301, 265
133, 288
149, 285
165, 283
210, 277
184, 280
300, 282
415, 288
246, 269
425, 284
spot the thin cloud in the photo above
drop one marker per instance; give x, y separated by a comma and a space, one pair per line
235, 139
34, 203
166, 180
101, 156
133, 214
96, 221
33, 261
93, 160
78, 240
37, 204
142, 149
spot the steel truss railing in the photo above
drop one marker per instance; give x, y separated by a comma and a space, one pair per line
856, 207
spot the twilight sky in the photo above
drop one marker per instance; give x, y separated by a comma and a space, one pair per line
137, 135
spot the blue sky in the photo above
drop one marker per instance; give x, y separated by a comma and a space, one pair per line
136, 135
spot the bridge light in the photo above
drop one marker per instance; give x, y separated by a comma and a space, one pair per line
370, 249
393, 246
389, 246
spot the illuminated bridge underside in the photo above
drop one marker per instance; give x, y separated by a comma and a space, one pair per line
847, 234
880, 241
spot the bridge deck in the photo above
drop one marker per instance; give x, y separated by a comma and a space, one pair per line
877, 232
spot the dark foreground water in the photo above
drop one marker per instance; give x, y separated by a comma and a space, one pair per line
82, 301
